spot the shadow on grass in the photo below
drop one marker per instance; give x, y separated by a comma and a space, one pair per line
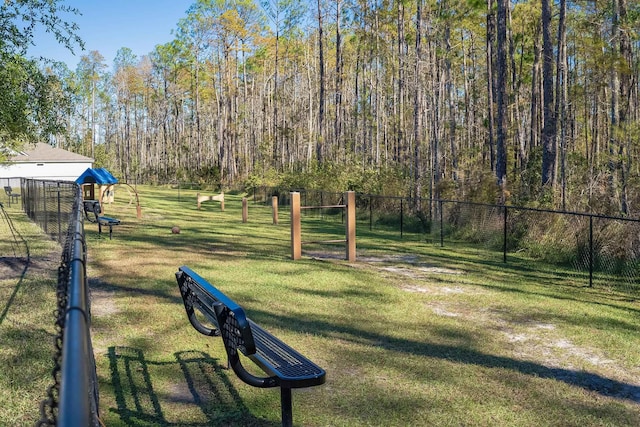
138, 403
13, 264
330, 330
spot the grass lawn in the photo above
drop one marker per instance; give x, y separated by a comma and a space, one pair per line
410, 334
28, 275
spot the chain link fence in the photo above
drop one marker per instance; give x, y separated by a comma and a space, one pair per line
585, 249
72, 398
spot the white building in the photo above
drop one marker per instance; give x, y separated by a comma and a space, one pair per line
42, 161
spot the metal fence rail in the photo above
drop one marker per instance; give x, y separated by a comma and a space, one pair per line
72, 399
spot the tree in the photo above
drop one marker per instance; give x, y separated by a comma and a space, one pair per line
285, 16
501, 95
89, 71
549, 141
26, 91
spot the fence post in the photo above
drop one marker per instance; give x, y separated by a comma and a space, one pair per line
245, 210
351, 226
370, 213
440, 206
274, 207
44, 208
296, 242
504, 237
60, 240
590, 251
401, 216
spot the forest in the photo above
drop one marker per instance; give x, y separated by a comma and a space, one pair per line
527, 102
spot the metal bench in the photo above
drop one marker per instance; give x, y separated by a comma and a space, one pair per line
13, 197
92, 211
284, 366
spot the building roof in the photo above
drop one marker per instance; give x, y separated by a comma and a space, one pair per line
96, 176
41, 152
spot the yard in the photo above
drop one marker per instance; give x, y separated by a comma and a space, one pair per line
410, 334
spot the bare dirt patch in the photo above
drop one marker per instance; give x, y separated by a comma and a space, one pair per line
14, 268
102, 299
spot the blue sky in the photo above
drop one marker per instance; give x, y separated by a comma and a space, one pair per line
108, 25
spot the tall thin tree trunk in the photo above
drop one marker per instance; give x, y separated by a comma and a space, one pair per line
322, 102
561, 96
417, 125
491, 30
501, 96
549, 141
339, 63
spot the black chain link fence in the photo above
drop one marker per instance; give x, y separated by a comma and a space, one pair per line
72, 399
586, 249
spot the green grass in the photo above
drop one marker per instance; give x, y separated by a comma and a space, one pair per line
28, 273
410, 334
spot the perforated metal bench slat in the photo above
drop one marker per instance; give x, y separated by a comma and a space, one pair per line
289, 364
107, 220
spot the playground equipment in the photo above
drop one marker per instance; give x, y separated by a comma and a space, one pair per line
216, 198
350, 225
133, 195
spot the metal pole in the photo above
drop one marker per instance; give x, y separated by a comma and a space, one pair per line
59, 217
401, 216
504, 237
440, 204
370, 213
44, 210
285, 405
590, 251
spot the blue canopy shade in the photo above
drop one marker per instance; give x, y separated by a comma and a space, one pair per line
96, 176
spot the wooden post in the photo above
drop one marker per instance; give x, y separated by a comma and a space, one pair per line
221, 196
296, 240
351, 226
245, 210
274, 207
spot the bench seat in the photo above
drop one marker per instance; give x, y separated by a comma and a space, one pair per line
278, 359
92, 212
13, 197
286, 368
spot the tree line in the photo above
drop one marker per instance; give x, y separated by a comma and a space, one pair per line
526, 101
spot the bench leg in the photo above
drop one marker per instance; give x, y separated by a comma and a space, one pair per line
285, 405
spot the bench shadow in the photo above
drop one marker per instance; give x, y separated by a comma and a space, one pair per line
206, 385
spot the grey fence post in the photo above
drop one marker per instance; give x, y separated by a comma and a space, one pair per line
44, 208
590, 251
370, 213
440, 205
59, 217
504, 237
401, 216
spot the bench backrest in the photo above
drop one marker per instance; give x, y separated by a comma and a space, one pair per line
92, 209
219, 309
7, 189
